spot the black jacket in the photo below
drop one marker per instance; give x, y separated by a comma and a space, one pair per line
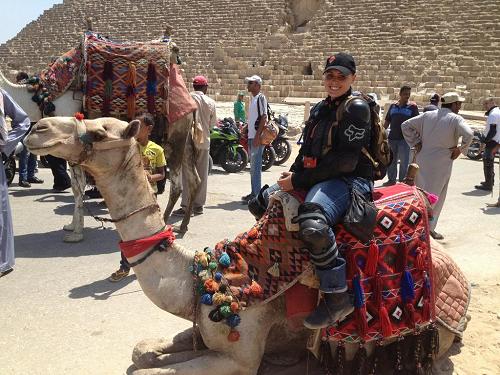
344, 157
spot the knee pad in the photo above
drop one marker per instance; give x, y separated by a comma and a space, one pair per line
313, 228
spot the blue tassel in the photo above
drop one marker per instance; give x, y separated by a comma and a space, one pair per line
407, 287
151, 88
359, 296
206, 299
224, 260
233, 320
218, 277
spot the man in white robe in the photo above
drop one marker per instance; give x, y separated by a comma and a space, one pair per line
8, 141
435, 136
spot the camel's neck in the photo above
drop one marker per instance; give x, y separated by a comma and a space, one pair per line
127, 190
21, 96
164, 276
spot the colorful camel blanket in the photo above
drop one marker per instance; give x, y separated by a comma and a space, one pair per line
390, 278
123, 79
59, 75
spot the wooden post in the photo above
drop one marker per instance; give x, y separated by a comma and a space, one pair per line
307, 109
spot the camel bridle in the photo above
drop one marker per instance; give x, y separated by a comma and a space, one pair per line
89, 147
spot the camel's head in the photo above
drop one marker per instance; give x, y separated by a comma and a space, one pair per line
80, 141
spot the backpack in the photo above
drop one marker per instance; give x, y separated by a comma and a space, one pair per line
270, 131
379, 151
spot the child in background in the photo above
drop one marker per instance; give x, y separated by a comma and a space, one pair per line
153, 159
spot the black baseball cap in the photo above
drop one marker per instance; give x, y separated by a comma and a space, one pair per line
343, 62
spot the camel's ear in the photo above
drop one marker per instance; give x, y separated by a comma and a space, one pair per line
132, 129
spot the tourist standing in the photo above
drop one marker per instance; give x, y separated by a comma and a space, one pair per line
398, 112
435, 136
433, 103
239, 109
206, 116
27, 160
491, 137
257, 118
8, 141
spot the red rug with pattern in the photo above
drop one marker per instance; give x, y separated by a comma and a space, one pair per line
124, 78
390, 278
59, 75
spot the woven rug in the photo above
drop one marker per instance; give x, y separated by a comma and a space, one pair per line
124, 78
389, 276
59, 76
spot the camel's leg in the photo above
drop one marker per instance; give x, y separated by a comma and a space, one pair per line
159, 352
210, 363
175, 151
193, 180
78, 186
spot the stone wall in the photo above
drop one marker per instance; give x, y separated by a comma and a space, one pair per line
433, 46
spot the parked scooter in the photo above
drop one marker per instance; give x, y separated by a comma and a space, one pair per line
281, 144
9, 163
268, 155
476, 148
225, 147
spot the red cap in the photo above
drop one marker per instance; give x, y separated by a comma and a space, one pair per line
200, 81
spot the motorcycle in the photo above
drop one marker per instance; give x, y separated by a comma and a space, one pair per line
281, 144
9, 163
268, 154
225, 147
476, 148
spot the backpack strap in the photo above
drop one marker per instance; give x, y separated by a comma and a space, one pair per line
338, 115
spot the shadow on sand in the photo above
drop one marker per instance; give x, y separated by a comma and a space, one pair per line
50, 244
100, 289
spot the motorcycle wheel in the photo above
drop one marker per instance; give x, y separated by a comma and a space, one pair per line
474, 151
9, 164
283, 150
268, 157
235, 163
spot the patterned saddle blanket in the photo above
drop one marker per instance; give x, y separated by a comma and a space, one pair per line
390, 278
124, 78
59, 75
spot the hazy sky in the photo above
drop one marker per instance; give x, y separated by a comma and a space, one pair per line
18, 13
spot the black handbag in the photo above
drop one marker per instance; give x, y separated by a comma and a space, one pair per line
361, 216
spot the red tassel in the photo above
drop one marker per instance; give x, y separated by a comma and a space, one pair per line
372, 260
420, 260
131, 82
426, 311
361, 323
352, 266
385, 321
410, 314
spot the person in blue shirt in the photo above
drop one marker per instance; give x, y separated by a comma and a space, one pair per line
397, 113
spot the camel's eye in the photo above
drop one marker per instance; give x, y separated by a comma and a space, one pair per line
42, 128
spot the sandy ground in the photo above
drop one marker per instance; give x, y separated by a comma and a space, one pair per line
60, 315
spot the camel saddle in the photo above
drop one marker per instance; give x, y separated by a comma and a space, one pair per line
391, 277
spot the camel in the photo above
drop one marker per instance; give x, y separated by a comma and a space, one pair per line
178, 145
114, 161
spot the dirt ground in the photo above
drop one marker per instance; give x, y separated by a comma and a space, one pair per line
60, 315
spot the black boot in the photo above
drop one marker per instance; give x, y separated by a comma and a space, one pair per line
332, 308
258, 205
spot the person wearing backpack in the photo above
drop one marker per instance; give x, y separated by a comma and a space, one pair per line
257, 119
333, 159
